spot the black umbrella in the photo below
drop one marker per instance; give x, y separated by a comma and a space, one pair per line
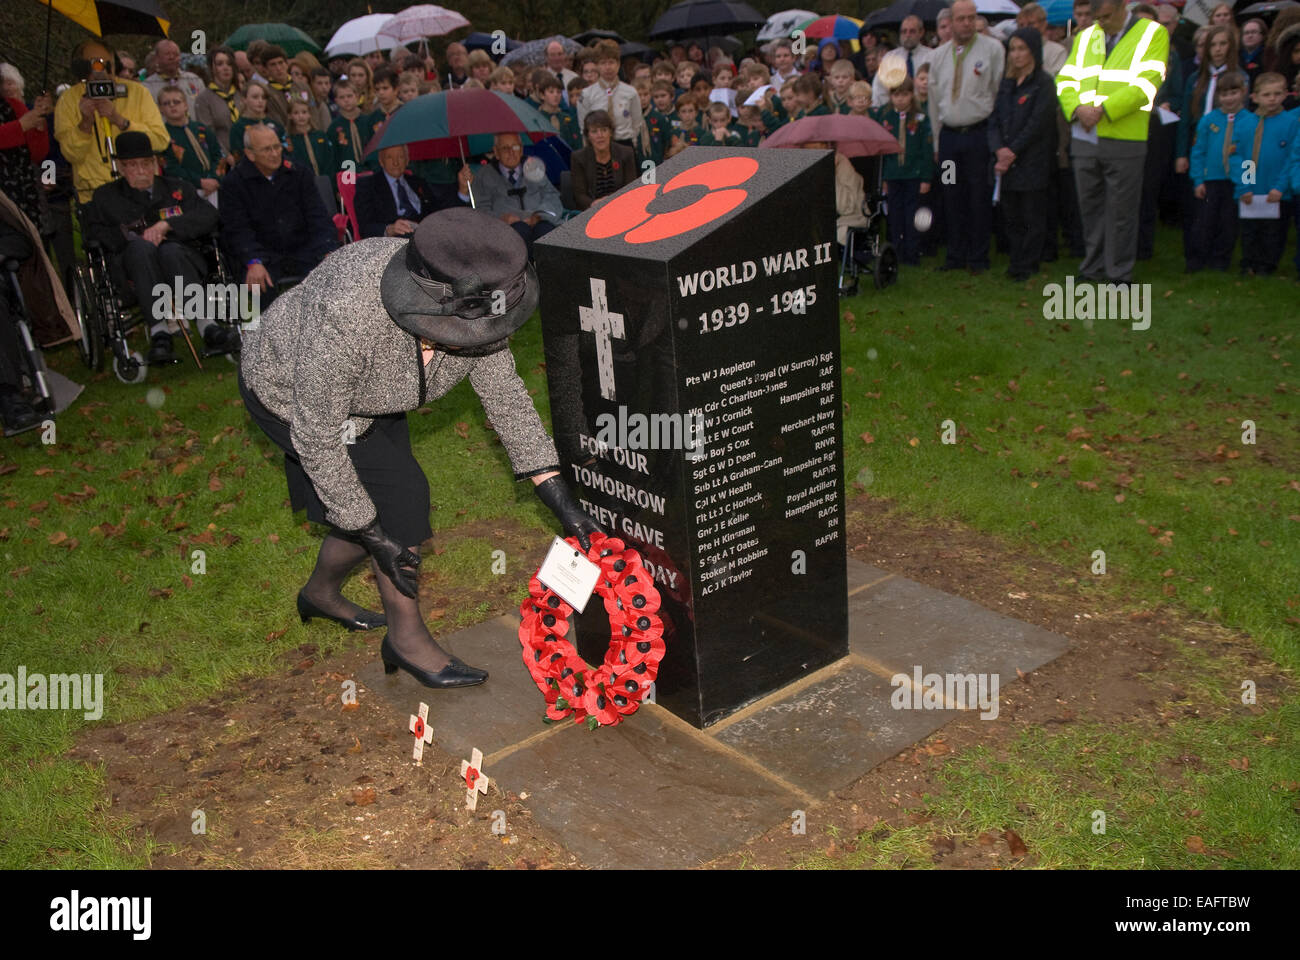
707, 17
634, 49
484, 41
898, 11
1265, 11
590, 35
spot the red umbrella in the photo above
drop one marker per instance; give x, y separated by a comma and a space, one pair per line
853, 135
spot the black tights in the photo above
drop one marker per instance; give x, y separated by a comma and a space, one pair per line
406, 630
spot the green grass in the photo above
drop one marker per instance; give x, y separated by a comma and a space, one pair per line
90, 608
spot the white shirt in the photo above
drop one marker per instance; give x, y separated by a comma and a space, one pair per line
920, 54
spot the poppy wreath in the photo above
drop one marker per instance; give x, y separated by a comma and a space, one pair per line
604, 695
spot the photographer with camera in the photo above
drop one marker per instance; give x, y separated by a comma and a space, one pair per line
95, 110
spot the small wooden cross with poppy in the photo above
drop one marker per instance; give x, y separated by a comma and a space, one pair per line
475, 781
422, 731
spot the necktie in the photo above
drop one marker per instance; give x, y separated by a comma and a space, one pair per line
910, 71
514, 177
1227, 142
958, 60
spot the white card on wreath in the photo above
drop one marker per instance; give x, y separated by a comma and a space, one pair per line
569, 573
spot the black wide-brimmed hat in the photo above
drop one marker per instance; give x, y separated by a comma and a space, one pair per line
133, 145
462, 280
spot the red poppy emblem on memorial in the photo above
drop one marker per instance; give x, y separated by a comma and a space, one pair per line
601, 696
634, 216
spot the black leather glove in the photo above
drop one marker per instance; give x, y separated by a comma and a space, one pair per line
575, 521
391, 557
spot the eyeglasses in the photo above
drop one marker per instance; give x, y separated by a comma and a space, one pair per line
509, 148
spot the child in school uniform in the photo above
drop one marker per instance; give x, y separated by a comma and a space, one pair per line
194, 153
563, 119
351, 130
659, 118
838, 82
308, 148
1268, 146
750, 126
687, 126
717, 127
256, 97
807, 90
1215, 169
906, 174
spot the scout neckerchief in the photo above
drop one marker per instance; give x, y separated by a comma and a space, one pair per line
1227, 141
205, 162
902, 136
229, 97
311, 154
1259, 141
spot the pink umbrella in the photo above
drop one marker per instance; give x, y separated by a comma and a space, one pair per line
853, 136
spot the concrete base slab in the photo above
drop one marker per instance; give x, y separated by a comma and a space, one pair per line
655, 792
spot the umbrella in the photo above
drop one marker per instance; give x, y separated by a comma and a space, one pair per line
833, 27
894, 14
293, 40
705, 16
484, 41
1265, 11
102, 16
730, 45
634, 49
444, 124
1058, 12
995, 10
418, 22
780, 24
114, 16
360, 36
533, 52
587, 37
853, 136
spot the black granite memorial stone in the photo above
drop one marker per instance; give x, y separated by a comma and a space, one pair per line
692, 353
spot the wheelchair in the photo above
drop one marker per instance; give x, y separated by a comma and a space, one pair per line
16, 249
108, 312
867, 249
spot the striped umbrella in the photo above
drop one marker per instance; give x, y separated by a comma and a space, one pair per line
832, 27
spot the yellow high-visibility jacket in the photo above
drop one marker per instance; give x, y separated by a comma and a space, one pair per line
1124, 84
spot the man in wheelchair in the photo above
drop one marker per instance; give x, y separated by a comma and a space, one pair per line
151, 226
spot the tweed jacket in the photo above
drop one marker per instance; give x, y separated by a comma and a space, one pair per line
327, 358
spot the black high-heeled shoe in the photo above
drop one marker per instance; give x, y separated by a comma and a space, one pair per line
365, 620
454, 674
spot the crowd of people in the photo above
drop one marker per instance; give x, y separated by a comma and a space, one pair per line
1043, 139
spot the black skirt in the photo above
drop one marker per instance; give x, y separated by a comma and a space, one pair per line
384, 463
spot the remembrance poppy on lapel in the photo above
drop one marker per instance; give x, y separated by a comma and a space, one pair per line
1023, 98
176, 195
615, 164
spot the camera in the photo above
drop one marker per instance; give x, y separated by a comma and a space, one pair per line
105, 89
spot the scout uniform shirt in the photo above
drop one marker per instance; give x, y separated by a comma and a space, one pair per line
1267, 141
729, 139
312, 150
565, 123
348, 139
912, 131
660, 126
1217, 154
193, 153
623, 103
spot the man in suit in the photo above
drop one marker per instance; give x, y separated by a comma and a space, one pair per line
275, 223
393, 202
915, 53
149, 226
532, 208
